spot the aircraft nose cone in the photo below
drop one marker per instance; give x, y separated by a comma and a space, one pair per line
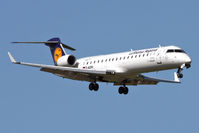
188, 59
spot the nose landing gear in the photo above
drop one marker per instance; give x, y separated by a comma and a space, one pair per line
179, 74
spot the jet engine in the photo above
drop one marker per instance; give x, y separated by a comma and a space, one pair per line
66, 60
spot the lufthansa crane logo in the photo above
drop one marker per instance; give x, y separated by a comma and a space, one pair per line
57, 54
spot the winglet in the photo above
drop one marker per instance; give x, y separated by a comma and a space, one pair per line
11, 58
176, 79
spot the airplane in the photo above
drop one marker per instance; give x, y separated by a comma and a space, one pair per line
121, 69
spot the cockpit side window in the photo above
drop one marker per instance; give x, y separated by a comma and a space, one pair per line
179, 51
170, 50
175, 50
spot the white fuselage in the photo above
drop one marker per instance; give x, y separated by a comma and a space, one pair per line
122, 69
138, 61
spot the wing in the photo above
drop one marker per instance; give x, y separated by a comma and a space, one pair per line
96, 75
68, 72
145, 80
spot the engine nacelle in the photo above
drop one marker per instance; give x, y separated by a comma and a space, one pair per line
66, 60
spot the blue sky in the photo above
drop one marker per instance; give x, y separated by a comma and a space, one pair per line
33, 101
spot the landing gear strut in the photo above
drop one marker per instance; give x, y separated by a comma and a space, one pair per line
123, 90
93, 86
179, 74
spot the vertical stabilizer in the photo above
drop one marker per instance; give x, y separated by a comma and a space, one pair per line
56, 49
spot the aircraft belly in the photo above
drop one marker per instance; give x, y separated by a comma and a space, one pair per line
98, 78
75, 76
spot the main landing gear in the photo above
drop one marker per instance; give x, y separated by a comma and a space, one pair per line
123, 90
93, 86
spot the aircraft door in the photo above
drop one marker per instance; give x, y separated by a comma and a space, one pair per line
159, 56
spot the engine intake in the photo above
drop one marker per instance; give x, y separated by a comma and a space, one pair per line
71, 60
66, 60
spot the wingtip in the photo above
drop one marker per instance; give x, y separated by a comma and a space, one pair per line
11, 58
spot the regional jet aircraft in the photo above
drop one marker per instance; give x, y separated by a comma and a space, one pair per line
121, 69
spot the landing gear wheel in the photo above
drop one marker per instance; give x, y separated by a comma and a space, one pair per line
126, 90
120, 90
123, 90
180, 75
91, 86
96, 87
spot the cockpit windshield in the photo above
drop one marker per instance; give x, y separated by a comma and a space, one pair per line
175, 50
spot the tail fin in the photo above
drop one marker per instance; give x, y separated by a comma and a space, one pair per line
56, 48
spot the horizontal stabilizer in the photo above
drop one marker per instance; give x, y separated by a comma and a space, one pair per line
49, 43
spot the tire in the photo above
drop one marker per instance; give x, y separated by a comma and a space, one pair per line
120, 90
180, 75
96, 87
126, 90
91, 86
